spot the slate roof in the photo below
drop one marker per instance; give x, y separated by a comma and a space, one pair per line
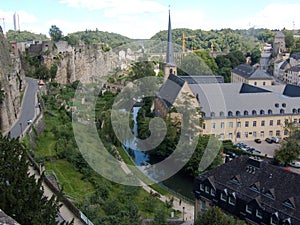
279, 34
296, 55
249, 72
257, 174
283, 65
170, 90
294, 69
241, 97
202, 79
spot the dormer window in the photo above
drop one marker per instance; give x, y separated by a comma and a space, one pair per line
287, 221
230, 113
289, 203
207, 189
212, 114
246, 113
259, 213
212, 192
270, 194
232, 199
222, 114
235, 179
254, 112
274, 219
237, 113
201, 187
254, 187
249, 209
224, 195
262, 112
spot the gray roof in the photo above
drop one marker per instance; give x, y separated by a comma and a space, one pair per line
202, 79
250, 72
284, 185
6, 220
170, 90
279, 34
283, 65
295, 55
230, 97
294, 69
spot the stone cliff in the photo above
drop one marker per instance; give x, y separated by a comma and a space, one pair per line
84, 63
12, 83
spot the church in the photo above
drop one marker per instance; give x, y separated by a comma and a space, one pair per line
236, 111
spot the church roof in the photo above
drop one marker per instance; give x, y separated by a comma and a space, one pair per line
202, 79
250, 73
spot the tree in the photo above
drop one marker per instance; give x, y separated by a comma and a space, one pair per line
55, 33
215, 215
160, 218
21, 196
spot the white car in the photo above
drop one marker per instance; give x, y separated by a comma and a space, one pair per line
295, 164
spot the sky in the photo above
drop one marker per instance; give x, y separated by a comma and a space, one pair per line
141, 19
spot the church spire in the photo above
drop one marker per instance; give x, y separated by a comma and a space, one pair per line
170, 66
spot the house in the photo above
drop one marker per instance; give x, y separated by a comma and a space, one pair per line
245, 73
279, 43
279, 69
250, 189
295, 59
292, 75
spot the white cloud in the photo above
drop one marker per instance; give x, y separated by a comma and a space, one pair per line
273, 16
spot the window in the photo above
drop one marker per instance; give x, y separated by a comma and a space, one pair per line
254, 123
213, 125
262, 123
222, 136
271, 122
245, 134
222, 124
283, 105
262, 134
278, 122
201, 187
294, 111
254, 134
230, 113
274, 219
246, 123
223, 197
203, 114
262, 112
238, 135
249, 209
237, 113
212, 192
264, 83
232, 199
285, 132
281, 111
270, 133
246, 113
230, 124
212, 114
270, 112
230, 135
206, 189
203, 206
203, 126
222, 114
276, 105
277, 133
254, 112
259, 213
238, 124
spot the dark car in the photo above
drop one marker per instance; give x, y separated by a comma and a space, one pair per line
269, 140
257, 140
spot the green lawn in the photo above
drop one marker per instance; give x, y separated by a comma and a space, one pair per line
70, 179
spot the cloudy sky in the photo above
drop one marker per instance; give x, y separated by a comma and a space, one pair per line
144, 18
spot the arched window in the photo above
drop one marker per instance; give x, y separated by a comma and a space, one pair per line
281, 111
237, 113
283, 105
270, 112
222, 114
253, 112
203, 114
262, 112
294, 111
298, 110
230, 113
276, 105
212, 114
246, 113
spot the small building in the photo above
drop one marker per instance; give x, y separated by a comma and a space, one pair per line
279, 69
245, 73
250, 189
295, 59
292, 75
279, 43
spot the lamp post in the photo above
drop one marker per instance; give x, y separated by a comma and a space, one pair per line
21, 130
183, 212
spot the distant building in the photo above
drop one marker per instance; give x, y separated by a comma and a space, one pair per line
279, 43
245, 73
16, 21
292, 75
250, 189
279, 69
295, 59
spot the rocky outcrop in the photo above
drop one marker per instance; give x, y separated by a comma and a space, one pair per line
84, 63
12, 80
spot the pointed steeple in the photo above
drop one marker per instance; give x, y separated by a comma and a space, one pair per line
170, 66
170, 52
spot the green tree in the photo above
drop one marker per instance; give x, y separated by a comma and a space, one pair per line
21, 196
215, 216
160, 218
289, 38
55, 33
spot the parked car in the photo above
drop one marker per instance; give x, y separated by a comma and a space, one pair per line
257, 140
255, 151
275, 139
269, 140
295, 164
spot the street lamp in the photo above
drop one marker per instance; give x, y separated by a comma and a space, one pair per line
183, 212
21, 130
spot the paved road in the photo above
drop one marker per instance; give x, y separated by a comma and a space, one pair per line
28, 108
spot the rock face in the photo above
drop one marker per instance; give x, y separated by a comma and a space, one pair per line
84, 63
12, 80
